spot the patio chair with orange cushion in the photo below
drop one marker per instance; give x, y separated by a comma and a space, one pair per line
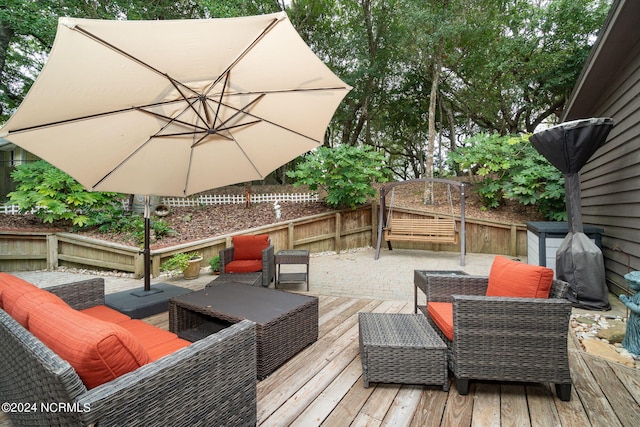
510, 326
249, 254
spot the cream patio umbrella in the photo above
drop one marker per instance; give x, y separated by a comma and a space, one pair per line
173, 108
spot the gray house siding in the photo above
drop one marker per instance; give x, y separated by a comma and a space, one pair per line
610, 181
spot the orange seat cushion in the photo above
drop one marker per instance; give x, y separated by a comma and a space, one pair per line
166, 348
9, 281
98, 351
249, 247
509, 278
243, 266
105, 313
157, 342
442, 315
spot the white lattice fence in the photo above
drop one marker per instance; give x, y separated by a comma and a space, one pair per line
227, 199
212, 199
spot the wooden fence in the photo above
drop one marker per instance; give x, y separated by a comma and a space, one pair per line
332, 231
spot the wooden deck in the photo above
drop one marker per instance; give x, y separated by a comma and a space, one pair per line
322, 386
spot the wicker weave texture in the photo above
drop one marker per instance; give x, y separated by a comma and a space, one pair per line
251, 279
401, 348
501, 338
277, 340
211, 382
268, 264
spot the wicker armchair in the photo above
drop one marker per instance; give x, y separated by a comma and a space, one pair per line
210, 382
503, 338
268, 264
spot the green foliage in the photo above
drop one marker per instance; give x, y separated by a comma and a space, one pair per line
214, 263
509, 167
346, 173
55, 196
113, 219
179, 261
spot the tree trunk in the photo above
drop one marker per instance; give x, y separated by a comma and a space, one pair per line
428, 193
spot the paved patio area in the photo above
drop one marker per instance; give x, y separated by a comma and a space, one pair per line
354, 274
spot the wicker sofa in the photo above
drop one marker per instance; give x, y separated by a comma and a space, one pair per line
502, 338
209, 382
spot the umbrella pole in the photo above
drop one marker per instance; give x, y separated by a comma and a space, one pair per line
147, 249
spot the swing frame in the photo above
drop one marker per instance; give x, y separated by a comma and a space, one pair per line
428, 230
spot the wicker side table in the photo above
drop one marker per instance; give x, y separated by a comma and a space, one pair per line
401, 348
292, 257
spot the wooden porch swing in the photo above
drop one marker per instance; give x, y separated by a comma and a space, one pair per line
428, 230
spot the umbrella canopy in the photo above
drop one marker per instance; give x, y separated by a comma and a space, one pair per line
173, 108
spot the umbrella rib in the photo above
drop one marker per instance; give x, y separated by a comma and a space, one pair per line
242, 111
93, 116
127, 55
242, 54
175, 84
171, 119
267, 92
222, 92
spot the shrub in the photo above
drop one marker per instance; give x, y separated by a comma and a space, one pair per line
179, 261
346, 174
55, 196
509, 167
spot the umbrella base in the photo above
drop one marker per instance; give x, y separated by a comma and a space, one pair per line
139, 303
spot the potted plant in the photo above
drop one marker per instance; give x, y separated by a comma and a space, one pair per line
188, 263
161, 210
214, 263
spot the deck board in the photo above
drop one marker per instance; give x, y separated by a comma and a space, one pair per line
323, 386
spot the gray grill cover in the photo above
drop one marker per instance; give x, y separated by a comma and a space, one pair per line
579, 261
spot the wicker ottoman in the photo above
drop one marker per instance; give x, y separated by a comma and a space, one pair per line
401, 348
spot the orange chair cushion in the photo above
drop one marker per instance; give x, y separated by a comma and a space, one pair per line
442, 315
105, 313
21, 304
249, 247
515, 279
243, 266
98, 351
9, 281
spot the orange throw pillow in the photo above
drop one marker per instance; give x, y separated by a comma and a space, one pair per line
9, 281
516, 279
98, 351
442, 315
249, 247
24, 303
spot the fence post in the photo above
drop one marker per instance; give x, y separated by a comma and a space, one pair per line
513, 241
338, 243
52, 252
374, 222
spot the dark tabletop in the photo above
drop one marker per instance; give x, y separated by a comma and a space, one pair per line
236, 300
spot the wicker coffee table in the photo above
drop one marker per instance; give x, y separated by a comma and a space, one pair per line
285, 322
401, 348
